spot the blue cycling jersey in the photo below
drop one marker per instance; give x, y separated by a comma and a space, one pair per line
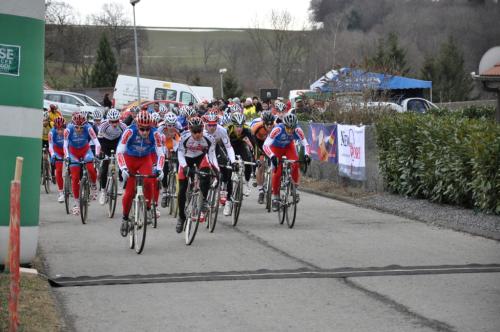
57, 140
78, 139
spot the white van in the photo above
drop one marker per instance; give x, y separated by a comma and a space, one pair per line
204, 92
126, 91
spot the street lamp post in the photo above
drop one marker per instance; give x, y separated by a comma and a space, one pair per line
133, 3
221, 72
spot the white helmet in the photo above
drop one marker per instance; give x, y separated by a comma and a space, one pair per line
170, 118
97, 115
113, 114
155, 118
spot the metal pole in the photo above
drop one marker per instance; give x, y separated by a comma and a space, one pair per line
137, 62
498, 106
221, 86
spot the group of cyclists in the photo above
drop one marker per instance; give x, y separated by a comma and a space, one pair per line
209, 138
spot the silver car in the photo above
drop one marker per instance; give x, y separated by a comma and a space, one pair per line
70, 102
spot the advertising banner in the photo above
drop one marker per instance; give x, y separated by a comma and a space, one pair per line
323, 140
351, 157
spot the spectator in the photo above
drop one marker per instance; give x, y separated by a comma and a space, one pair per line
106, 102
249, 109
300, 107
257, 104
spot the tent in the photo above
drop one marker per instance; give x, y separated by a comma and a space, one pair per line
347, 79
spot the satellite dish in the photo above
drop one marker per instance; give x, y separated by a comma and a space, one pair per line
489, 59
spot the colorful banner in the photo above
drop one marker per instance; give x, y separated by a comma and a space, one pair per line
352, 151
323, 140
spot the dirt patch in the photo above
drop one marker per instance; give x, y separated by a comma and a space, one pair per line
37, 307
331, 187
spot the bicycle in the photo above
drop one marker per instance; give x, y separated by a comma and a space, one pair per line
46, 170
237, 195
288, 194
111, 184
67, 185
138, 220
193, 208
213, 199
267, 186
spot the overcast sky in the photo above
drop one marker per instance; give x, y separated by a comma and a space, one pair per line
202, 13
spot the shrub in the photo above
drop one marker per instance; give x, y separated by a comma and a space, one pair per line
447, 158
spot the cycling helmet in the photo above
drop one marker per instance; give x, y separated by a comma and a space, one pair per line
226, 118
59, 122
267, 117
290, 120
195, 123
45, 116
53, 107
155, 118
113, 114
191, 112
135, 109
183, 111
170, 118
163, 109
280, 107
175, 110
238, 119
211, 118
79, 119
143, 119
235, 108
97, 115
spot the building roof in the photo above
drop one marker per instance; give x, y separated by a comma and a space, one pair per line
493, 71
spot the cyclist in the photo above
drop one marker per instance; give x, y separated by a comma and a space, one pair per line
279, 111
54, 113
134, 156
242, 141
196, 147
155, 121
223, 150
47, 127
77, 136
109, 136
279, 143
96, 122
171, 138
260, 131
56, 150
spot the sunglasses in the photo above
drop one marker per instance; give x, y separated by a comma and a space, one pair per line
114, 121
212, 124
196, 131
144, 128
78, 127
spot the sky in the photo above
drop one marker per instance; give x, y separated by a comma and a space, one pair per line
202, 13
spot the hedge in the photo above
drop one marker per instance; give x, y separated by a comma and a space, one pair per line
444, 158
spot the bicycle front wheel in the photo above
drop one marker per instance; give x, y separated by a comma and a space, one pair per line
291, 211
84, 199
67, 189
237, 200
268, 189
193, 218
112, 193
140, 225
214, 201
46, 176
282, 210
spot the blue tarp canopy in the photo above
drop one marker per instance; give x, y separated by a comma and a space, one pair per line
347, 79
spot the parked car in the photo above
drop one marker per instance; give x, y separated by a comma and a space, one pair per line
70, 102
416, 105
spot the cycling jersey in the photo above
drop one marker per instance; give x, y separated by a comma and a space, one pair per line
56, 143
133, 144
236, 138
259, 131
170, 138
281, 139
221, 137
81, 139
107, 131
191, 148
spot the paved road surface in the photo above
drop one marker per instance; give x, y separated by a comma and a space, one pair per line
281, 279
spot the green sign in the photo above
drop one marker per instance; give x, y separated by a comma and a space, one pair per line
10, 59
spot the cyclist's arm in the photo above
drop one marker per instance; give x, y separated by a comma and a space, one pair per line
269, 141
302, 138
159, 151
122, 147
51, 143
94, 139
66, 143
211, 154
180, 154
229, 147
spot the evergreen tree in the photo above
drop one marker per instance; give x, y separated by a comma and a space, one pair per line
231, 87
390, 58
196, 81
104, 72
450, 81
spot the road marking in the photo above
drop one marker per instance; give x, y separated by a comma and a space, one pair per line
272, 274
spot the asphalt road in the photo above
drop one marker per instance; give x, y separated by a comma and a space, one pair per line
341, 268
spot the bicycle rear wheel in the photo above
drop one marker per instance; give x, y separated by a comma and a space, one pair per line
282, 210
153, 215
291, 211
140, 225
131, 236
237, 200
112, 193
171, 192
193, 218
84, 199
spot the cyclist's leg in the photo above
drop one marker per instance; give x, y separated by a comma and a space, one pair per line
146, 168
74, 156
205, 180
89, 156
182, 193
278, 152
106, 147
133, 165
59, 153
291, 154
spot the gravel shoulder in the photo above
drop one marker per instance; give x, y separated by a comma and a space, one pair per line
453, 217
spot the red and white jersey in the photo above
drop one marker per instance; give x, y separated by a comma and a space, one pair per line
191, 148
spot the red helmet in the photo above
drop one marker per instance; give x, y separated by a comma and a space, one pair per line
59, 122
143, 119
53, 107
79, 119
210, 118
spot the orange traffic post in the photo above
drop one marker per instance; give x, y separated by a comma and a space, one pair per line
15, 246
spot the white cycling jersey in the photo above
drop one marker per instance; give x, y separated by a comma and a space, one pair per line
220, 135
107, 131
191, 148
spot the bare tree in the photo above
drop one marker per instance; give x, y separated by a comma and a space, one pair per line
117, 25
209, 50
59, 16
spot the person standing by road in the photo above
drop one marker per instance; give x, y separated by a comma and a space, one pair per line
106, 102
